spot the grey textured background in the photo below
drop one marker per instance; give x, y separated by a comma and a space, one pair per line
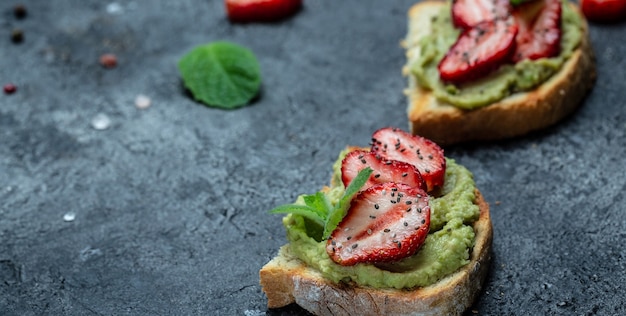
171, 201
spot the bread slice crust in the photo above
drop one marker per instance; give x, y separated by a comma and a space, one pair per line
286, 280
515, 115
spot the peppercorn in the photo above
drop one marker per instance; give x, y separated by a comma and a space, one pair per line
17, 36
20, 11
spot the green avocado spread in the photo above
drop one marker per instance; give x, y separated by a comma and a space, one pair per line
445, 250
508, 79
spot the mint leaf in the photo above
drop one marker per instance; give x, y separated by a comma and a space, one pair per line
303, 210
516, 2
221, 74
319, 209
316, 208
355, 186
338, 213
319, 202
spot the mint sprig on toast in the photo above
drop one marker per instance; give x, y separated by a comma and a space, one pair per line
318, 208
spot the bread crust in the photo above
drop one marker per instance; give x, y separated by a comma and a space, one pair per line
286, 280
515, 115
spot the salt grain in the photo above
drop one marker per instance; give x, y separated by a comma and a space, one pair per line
100, 122
69, 216
114, 8
142, 102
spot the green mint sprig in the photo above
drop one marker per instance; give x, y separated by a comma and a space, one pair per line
318, 208
221, 74
518, 2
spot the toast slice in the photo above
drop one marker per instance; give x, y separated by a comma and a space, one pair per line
286, 280
517, 114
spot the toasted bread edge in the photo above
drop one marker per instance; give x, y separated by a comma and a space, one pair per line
513, 116
286, 280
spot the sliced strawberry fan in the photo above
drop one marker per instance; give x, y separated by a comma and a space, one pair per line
495, 33
389, 218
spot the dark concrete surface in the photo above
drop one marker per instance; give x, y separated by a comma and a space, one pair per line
170, 202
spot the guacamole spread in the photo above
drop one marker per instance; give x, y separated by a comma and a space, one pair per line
445, 250
510, 78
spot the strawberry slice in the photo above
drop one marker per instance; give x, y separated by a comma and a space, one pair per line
468, 13
260, 10
383, 170
539, 29
395, 144
386, 222
479, 50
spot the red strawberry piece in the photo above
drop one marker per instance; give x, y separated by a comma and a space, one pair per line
386, 222
383, 170
260, 10
468, 13
539, 29
479, 50
604, 10
395, 144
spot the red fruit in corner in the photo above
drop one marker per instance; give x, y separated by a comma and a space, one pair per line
478, 51
604, 10
260, 10
386, 222
395, 144
539, 33
108, 60
9, 88
383, 170
468, 13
